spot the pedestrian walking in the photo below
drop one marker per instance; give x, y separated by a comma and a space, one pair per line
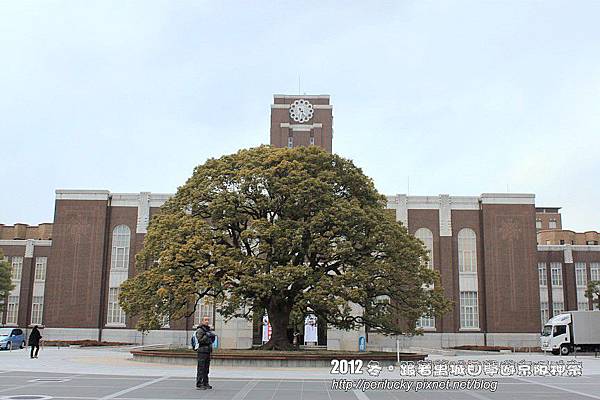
202, 341
34, 341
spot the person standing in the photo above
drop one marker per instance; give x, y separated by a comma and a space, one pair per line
204, 338
34, 341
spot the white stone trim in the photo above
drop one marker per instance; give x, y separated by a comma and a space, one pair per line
464, 203
423, 202
23, 242
29, 248
16, 242
300, 127
158, 199
550, 247
445, 215
315, 106
568, 255
303, 96
143, 213
65, 194
561, 247
507, 198
124, 199
399, 204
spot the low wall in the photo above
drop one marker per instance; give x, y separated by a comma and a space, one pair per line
262, 360
433, 340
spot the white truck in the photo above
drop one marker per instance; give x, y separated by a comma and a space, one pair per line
571, 331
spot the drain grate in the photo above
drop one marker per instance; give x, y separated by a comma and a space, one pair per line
26, 397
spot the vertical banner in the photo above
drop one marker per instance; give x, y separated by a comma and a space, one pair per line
362, 343
266, 331
310, 329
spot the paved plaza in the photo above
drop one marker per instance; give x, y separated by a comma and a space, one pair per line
110, 374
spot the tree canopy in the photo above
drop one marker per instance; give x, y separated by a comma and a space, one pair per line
287, 231
6, 284
593, 292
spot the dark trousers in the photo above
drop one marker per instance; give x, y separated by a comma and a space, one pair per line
203, 369
37, 350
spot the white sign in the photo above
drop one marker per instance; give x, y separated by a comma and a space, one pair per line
310, 329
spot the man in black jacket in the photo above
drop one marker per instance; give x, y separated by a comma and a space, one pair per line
34, 341
205, 338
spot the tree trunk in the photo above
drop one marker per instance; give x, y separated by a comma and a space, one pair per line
279, 318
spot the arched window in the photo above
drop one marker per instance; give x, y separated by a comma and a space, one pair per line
120, 247
426, 237
467, 250
204, 308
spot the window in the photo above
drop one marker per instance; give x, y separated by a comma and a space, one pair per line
290, 142
469, 312
592, 242
582, 306
542, 274
562, 241
312, 140
595, 271
40, 268
538, 224
426, 322
120, 247
552, 224
17, 268
426, 237
544, 312
556, 273
557, 308
560, 330
116, 315
467, 251
37, 309
580, 274
204, 307
12, 309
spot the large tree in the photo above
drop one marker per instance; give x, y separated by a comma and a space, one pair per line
287, 231
6, 284
593, 292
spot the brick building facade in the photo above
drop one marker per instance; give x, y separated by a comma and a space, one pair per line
67, 274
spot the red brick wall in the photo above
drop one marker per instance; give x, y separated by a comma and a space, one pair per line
511, 280
73, 292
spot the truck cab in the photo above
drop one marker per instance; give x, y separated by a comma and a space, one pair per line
556, 336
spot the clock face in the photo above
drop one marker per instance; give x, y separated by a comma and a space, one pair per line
301, 110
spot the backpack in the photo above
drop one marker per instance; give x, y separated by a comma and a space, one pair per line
194, 341
206, 340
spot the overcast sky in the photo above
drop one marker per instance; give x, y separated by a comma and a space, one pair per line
463, 97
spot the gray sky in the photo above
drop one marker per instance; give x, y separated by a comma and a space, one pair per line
464, 97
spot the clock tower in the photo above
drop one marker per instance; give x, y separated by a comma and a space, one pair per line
301, 120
